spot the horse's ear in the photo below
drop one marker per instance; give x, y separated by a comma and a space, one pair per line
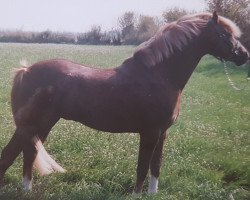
215, 17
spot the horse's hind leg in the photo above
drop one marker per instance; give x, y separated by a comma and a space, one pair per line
155, 165
9, 153
29, 155
32, 147
22, 140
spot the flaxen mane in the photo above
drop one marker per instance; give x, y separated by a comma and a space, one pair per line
176, 35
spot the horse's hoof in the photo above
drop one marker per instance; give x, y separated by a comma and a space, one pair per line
136, 195
27, 184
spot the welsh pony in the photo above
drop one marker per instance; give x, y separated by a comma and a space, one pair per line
142, 95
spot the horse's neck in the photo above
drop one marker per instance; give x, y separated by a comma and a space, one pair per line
180, 67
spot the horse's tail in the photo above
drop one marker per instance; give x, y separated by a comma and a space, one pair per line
43, 162
19, 75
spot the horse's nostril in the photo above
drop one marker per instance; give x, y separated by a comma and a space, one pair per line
246, 54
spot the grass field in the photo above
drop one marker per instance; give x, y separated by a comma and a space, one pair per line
206, 157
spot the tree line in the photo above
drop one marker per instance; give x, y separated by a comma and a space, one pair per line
133, 29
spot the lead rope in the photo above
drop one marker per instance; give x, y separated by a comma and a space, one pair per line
231, 81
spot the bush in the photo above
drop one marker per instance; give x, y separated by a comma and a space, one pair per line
20, 36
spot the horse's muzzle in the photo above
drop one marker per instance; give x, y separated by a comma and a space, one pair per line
242, 56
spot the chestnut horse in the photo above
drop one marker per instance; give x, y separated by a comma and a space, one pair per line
142, 95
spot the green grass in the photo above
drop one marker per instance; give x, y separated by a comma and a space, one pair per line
206, 156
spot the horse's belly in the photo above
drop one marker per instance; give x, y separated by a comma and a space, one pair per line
112, 113
103, 119
126, 122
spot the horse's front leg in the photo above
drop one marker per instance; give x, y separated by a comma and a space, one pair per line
148, 142
155, 165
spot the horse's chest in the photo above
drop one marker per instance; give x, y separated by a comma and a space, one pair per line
176, 109
171, 109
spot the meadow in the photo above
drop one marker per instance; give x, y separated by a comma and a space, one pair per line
206, 156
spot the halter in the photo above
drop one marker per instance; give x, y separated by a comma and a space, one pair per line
235, 50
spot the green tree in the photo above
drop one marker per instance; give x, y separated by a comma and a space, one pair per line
146, 28
173, 14
127, 25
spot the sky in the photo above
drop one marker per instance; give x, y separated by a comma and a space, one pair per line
80, 15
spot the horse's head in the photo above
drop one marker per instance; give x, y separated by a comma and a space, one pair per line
224, 41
